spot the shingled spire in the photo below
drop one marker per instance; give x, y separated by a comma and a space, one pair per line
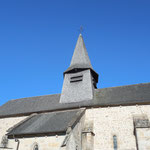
80, 57
79, 79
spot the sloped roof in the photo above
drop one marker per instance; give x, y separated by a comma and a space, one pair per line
80, 56
123, 95
54, 122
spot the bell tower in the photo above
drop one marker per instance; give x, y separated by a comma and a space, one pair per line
79, 79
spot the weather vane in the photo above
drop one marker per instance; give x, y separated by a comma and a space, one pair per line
81, 29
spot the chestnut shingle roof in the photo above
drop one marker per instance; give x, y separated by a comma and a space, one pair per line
80, 59
80, 56
123, 95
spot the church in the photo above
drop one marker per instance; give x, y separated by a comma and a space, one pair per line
82, 117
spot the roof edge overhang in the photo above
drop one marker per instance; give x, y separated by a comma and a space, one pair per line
78, 69
11, 136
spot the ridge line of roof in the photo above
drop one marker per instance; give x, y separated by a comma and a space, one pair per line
123, 86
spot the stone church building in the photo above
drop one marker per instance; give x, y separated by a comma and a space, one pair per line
82, 117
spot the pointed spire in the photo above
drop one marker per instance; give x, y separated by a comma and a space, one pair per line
80, 57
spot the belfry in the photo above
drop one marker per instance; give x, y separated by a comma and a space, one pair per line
79, 79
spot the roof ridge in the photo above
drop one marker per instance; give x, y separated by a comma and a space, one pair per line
123, 86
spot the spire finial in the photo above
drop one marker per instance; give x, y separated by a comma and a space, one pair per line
81, 29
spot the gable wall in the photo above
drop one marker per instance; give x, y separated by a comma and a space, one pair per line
6, 123
53, 142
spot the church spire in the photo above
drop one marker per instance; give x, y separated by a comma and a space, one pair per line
79, 79
80, 57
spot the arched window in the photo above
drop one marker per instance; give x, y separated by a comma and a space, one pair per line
115, 142
36, 147
76, 147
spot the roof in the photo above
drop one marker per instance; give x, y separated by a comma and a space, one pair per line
54, 122
113, 96
80, 55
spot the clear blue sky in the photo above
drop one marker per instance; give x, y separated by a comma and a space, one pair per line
37, 40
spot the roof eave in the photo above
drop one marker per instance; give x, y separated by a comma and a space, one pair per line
78, 69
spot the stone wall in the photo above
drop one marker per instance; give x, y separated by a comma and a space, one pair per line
118, 121
44, 143
6, 123
143, 137
75, 137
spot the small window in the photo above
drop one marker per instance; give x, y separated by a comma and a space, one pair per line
115, 142
76, 147
76, 78
36, 147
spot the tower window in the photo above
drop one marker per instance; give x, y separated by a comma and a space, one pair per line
115, 142
76, 78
